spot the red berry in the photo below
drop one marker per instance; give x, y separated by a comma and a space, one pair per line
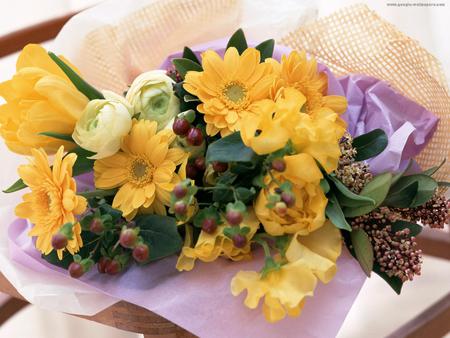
180, 208
181, 127
209, 225
279, 165
239, 241
194, 137
288, 198
59, 241
96, 226
180, 191
102, 263
191, 171
200, 163
128, 238
141, 253
220, 167
113, 267
281, 208
76, 270
234, 217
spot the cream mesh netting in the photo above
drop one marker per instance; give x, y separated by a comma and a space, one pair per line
352, 40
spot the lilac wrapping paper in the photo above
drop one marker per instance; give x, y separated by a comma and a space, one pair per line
200, 300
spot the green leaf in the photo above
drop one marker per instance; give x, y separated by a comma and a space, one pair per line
403, 197
400, 174
16, 186
414, 228
238, 41
83, 164
443, 184
348, 198
185, 65
370, 144
377, 190
160, 233
266, 49
324, 185
363, 250
230, 149
59, 136
431, 171
426, 188
245, 195
334, 213
394, 282
85, 88
190, 55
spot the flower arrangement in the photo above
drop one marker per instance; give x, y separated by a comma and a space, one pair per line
214, 157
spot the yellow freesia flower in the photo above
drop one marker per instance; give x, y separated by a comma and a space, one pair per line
39, 98
230, 88
210, 246
144, 170
308, 212
284, 291
52, 201
296, 71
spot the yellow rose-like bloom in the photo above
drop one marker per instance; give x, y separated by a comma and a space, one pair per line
210, 246
144, 170
230, 88
308, 258
52, 201
39, 98
298, 72
308, 213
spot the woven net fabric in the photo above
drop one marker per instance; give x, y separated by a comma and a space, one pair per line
352, 40
357, 40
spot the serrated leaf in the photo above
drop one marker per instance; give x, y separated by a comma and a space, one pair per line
414, 228
370, 144
85, 88
238, 41
363, 250
266, 49
59, 136
230, 149
160, 233
334, 213
190, 55
431, 171
185, 65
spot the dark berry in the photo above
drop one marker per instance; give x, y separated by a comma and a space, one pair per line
180, 191
76, 270
209, 225
220, 167
128, 238
181, 127
180, 208
288, 198
194, 137
279, 165
96, 226
113, 267
234, 217
191, 171
200, 163
102, 263
59, 241
141, 253
239, 241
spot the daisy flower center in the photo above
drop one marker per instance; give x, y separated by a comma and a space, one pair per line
234, 94
141, 171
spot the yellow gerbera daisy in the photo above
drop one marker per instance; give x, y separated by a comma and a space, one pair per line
230, 88
144, 170
52, 201
301, 73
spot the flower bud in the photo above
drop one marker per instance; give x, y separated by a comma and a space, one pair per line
141, 253
59, 241
234, 217
209, 225
96, 226
281, 208
181, 127
128, 238
113, 267
152, 97
102, 263
200, 163
239, 241
288, 198
180, 190
194, 137
76, 270
279, 165
191, 171
180, 208
220, 167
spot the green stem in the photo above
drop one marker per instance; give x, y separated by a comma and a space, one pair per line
98, 193
264, 245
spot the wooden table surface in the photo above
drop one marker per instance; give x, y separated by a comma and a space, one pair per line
124, 316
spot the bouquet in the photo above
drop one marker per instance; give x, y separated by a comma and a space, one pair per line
218, 155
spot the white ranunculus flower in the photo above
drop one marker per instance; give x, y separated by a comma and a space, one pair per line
103, 124
152, 97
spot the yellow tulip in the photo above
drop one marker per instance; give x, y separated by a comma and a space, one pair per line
39, 98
